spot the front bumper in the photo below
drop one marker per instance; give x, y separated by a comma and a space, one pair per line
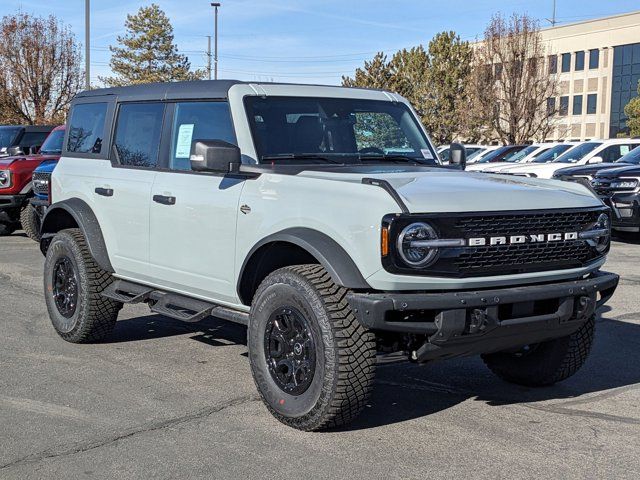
626, 211
483, 321
12, 201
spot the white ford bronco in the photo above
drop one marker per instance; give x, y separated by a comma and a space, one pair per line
323, 219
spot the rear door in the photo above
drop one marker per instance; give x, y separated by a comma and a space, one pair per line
122, 193
193, 215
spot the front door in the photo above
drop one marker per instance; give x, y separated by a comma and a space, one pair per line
193, 215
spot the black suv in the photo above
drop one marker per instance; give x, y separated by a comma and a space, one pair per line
620, 189
22, 139
613, 160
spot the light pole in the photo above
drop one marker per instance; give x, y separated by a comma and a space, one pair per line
215, 42
87, 70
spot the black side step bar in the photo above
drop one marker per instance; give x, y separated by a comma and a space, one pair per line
172, 305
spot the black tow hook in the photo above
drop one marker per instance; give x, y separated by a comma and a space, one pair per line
585, 307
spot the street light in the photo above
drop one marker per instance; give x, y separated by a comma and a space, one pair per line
215, 42
87, 37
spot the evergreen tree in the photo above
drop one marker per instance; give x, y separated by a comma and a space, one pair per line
632, 110
147, 52
446, 76
433, 81
374, 74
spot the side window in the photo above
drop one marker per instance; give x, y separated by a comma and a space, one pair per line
611, 154
86, 128
198, 121
137, 138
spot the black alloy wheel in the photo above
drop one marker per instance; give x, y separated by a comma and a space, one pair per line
65, 287
290, 350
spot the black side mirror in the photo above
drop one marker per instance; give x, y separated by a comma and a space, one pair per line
15, 151
458, 155
214, 156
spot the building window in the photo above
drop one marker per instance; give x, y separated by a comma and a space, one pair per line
564, 106
579, 62
551, 106
594, 59
566, 62
498, 71
626, 74
577, 105
592, 102
553, 64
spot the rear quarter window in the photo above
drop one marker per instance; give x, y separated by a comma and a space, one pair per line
86, 128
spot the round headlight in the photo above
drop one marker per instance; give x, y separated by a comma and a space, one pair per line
409, 247
603, 223
5, 178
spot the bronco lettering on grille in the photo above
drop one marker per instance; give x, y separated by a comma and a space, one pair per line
518, 239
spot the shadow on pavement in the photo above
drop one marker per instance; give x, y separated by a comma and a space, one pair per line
406, 391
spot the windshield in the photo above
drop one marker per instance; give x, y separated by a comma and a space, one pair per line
53, 144
632, 157
477, 153
7, 136
553, 153
336, 130
522, 153
576, 154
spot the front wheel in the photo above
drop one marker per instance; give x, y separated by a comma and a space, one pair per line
312, 361
544, 363
73, 283
30, 220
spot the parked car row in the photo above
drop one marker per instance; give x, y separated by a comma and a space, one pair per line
16, 172
611, 168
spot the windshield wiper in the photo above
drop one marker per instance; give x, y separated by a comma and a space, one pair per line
297, 156
392, 158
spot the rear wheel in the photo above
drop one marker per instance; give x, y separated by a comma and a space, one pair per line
312, 361
30, 221
73, 283
544, 363
7, 228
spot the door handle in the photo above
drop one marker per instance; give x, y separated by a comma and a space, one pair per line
105, 192
164, 200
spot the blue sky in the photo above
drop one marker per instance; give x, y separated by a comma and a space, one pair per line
310, 41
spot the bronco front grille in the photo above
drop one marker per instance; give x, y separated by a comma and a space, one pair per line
511, 258
528, 223
41, 183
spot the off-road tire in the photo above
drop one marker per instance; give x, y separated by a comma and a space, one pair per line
7, 229
548, 362
30, 221
345, 354
94, 316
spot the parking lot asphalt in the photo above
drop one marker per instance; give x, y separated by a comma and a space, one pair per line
164, 399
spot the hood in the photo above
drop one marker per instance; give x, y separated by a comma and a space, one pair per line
7, 161
621, 171
540, 170
439, 190
588, 169
486, 167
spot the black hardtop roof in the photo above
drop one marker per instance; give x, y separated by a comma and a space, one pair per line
32, 128
177, 90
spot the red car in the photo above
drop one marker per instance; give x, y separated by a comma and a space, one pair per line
15, 184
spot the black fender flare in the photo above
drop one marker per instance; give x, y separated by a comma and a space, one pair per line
325, 249
55, 219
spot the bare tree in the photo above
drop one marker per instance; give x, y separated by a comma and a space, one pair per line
511, 84
40, 60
